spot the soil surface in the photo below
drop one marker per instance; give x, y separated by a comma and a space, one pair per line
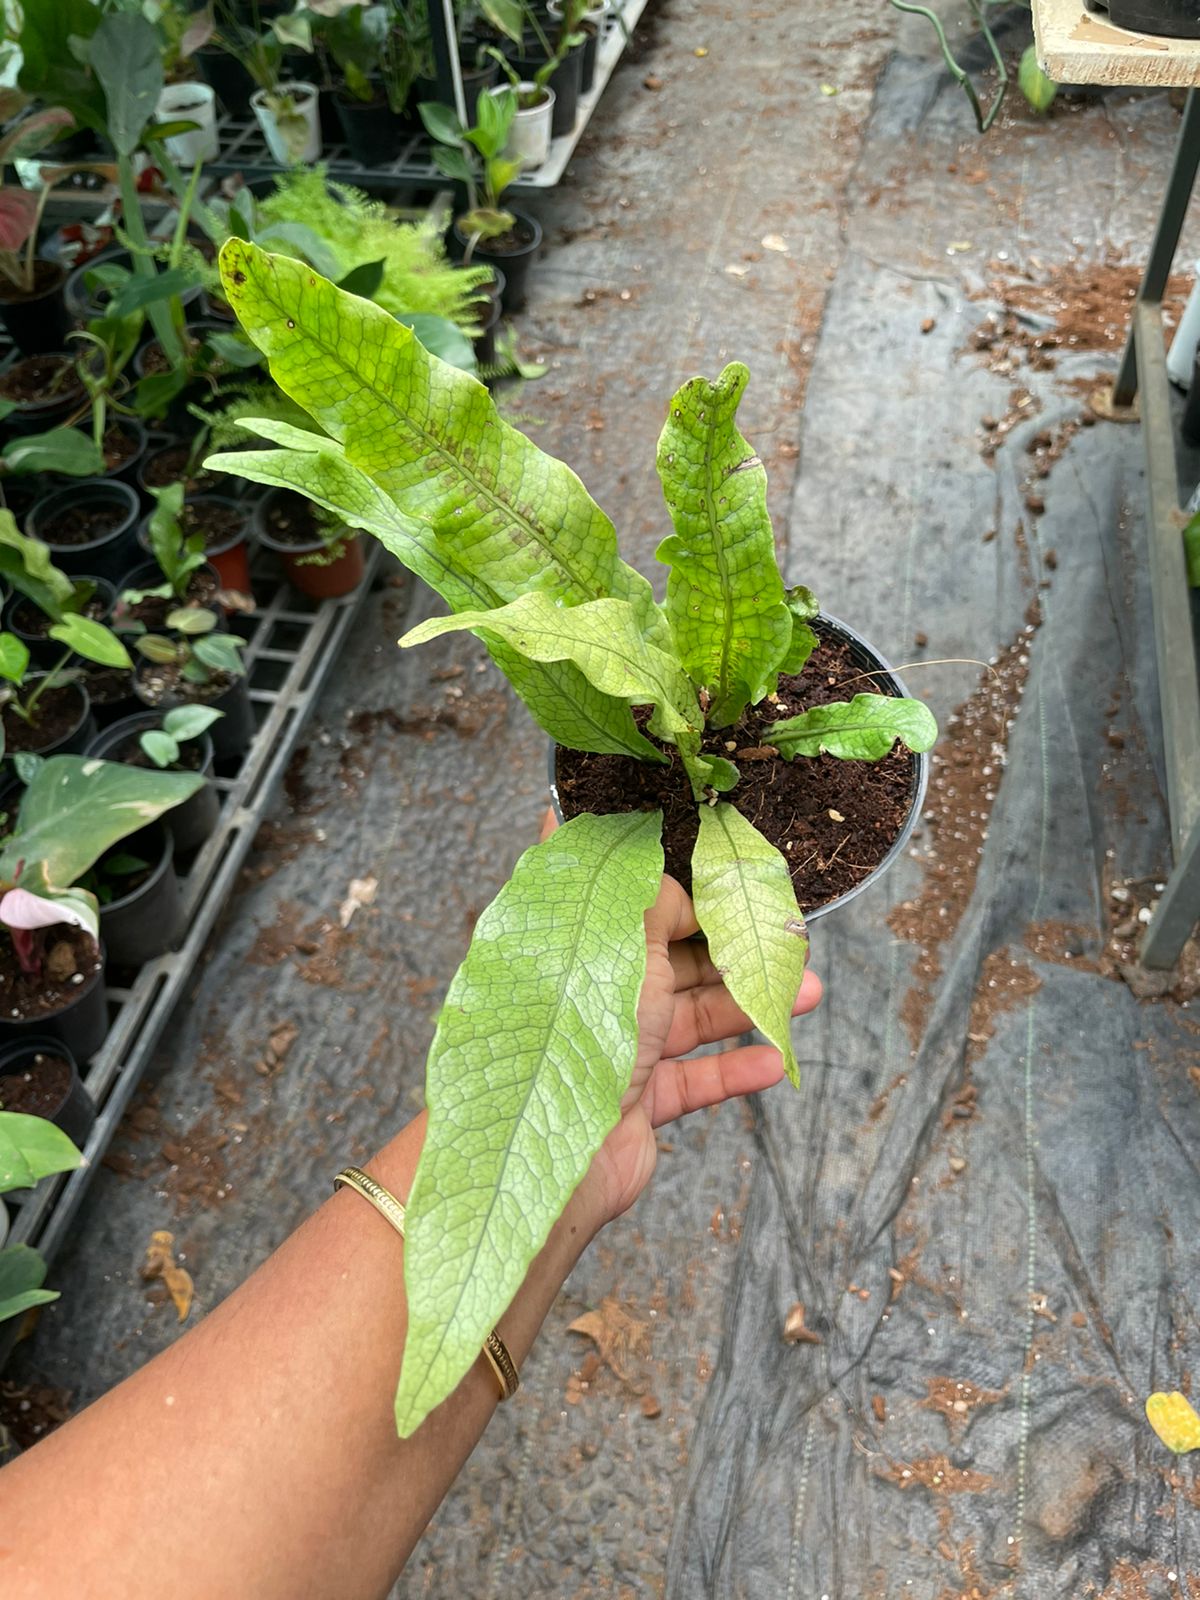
170, 466
130, 753
57, 714
513, 243
82, 523
108, 685
289, 519
72, 959
40, 378
120, 446
833, 820
39, 1088
151, 612
47, 275
33, 623
220, 526
162, 685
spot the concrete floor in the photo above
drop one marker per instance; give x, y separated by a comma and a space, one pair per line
736, 210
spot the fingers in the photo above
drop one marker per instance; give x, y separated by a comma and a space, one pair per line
671, 916
709, 1012
692, 963
679, 1087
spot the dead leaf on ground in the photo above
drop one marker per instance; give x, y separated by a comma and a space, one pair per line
620, 1337
795, 1331
775, 241
160, 1263
361, 893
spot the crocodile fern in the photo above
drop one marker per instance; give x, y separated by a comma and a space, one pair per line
536, 1043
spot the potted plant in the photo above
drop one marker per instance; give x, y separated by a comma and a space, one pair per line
377, 69
287, 112
219, 524
91, 526
473, 157
31, 288
321, 556
39, 392
589, 21
558, 66
530, 131
51, 965
717, 674
197, 665
178, 578
31, 1148
39, 1078
174, 741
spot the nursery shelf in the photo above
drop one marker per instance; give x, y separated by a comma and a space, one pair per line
244, 150
1076, 45
292, 646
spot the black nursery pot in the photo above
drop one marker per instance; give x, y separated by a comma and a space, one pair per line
1177, 19
565, 80
37, 323
55, 371
148, 921
231, 736
43, 650
886, 680
75, 1113
193, 821
514, 263
81, 1024
371, 129
107, 555
229, 79
82, 730
83, 302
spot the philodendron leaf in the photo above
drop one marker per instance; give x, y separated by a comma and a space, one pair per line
862, 729
76, 808
32, 1148
57, 450
430, 437
725, 598
90, 639
535, 1046
22, 1273
747, 908
28, 566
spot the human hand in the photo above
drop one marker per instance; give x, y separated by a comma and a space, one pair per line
683, 1004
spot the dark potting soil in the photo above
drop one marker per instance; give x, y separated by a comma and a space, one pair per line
31, 620
57, 714
218, 525
289, 518
152, 611
170, 466
39, 1088
40, 378
834, 821
163, 685
71, 959
119, 447
46, 275
107, 685
514, 242
82, 524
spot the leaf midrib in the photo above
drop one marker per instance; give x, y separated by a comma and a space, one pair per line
719, 555
751, 919
640, 820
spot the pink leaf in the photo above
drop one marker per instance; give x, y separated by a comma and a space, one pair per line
197, 33
18, 213
35, 132
21, 909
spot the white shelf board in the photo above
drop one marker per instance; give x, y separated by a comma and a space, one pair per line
1075, 45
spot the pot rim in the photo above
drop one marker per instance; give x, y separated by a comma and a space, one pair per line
16, 600
136, 722
158, 872
920, 780
527, 111
112, 488
295, 89
43, 1043
20, 299
81, 720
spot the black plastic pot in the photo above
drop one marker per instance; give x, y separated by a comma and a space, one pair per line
226, 75
81, 1024
83, 302
565, 80
108, 556
76, 1113
81, 732
231, 736
37, 415
44, 651
587, 68
130, 470
371, 129
484, 343
148, 921
885, 680
37, 323
193, 821
1177, 19
515, 264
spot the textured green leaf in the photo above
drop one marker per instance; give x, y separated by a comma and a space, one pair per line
90, 639
557, 694
803, 606
431, 438
725, 598
602, 639
76, 808
535, 1047
862, 729
32, 1148
745, 903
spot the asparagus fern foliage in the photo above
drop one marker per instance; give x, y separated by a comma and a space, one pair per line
537, 1041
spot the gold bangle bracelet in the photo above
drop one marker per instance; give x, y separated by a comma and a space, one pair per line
390, 1209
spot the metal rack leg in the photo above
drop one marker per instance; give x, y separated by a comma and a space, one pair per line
1166, 236
1175, 915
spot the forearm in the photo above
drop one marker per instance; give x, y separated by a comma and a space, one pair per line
262, 1443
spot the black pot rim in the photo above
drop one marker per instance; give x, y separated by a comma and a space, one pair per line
43, 1044
143, 722
112, 488
164, 865
85, 989
920, 782
58, 402
16, 600
509, 255
143, 533
85, 713
19, 299
266, 538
